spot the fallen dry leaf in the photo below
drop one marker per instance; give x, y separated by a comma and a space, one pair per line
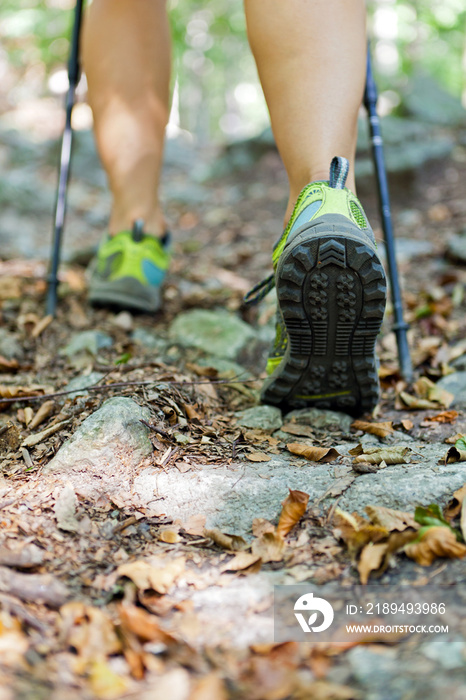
169, 536
314, 454
407, 424
435, 542
298, 429
104, 683
453, 507
41, 325
195, 524
294, 507
463, 519
454, 438
210, 687
371, 558
454, 455
89, 630
234, 543
242, 561
8, 365
443, 417
269, 547
415, 402
375, 455
261, 525
32, 440
158, 573
356, 532
45, 410
259, 457
325, 690
390, 519
379, 429
427, 395
338, 487
65, 509
144, 625
10, 288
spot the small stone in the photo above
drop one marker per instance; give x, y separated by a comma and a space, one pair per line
215, 332
148, 339
123, 320
408, 249
80, 384
320, 419
266, 418
409, 218
89, 342
456, 384
9, 346
109, 436
460, 363
456, 248
451, 654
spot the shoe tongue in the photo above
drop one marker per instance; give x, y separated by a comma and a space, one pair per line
138, 230
339, 168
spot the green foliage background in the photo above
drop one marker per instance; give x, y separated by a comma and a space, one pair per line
211, 56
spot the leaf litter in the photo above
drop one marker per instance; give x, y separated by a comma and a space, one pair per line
125, 571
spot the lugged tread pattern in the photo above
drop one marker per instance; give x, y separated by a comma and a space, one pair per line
331, 290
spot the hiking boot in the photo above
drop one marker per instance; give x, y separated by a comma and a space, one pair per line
331, 291
129, 269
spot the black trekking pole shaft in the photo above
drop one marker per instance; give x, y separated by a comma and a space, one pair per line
400, 326
65, 158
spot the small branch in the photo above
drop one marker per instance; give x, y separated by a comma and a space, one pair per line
154, 428
119, 385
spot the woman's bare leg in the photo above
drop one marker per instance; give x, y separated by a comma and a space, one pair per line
126, 56
310, 56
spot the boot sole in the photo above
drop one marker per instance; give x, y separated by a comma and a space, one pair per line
331, 290
125, 293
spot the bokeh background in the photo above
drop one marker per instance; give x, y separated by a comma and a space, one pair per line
216, 92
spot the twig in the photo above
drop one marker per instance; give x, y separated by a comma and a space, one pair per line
126, 523
15, 606
33, 588
9, 502
156, 430
118, 385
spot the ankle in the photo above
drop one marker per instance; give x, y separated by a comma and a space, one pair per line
154, 223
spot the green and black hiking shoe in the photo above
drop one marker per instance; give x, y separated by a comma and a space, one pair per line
331, 291
129, 269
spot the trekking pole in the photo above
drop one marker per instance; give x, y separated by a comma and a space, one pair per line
65, 158
400, 326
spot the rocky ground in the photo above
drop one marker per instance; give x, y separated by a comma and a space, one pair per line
142, 525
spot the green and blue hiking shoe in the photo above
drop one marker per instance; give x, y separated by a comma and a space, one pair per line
331, 292
129, 269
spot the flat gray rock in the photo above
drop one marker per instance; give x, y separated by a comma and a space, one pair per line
89, 342
260, 418
319, 419
9, 346
456, 247
104, 451
231, 496
456, 384
215, 332
80, 384
407, 249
